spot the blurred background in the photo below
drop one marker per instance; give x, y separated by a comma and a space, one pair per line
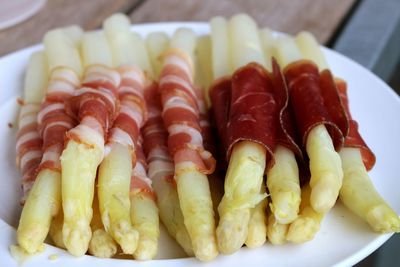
367, 31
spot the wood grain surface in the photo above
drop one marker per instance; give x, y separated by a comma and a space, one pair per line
321, 17
89, 14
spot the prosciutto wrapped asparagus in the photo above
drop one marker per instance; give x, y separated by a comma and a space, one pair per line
185, 143
53, 123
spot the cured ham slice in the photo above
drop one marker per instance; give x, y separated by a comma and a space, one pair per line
354, 139
315, 100
253, 106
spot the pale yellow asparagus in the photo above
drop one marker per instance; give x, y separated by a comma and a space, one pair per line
44, 198
156, 44
267, 44
170, 211
55, 231
167, 195
220, 48
235, 44
101, 244
144, 216
284, 186
79, 164
113, 192
325, 166
360, 196
257, 233
357, 192
308, 223
43, 202
192, 185
276, 232
116, 168
204, 57
283, 177
310, 49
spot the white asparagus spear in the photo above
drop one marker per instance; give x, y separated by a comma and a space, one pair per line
79, 164
220, 48
257, 233
55, 231
357, 192
308, 223
283, 178
325, 165
276, 231
360, 196
156, 44
101, 244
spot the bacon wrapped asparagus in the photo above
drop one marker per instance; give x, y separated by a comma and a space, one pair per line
94, 105
160, 163
53, 122
185, 143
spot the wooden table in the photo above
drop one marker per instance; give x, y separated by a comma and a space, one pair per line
322, 17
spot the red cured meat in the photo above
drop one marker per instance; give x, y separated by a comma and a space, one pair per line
354, 139
315, 100
253, 106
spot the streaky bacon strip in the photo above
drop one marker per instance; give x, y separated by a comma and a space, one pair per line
155, 138
29, 146
181, 113
95, 106
315, 100
354, 139
53, 120
132, 113
140, 182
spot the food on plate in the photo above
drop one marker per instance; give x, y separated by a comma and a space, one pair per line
161, 169
250, 109
316, 109
357, 191
117, 131
120, 152
94, 105
43, 201
308, 223
144, 212
185, 143
101, 244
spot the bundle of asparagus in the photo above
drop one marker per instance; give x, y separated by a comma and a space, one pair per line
134, 92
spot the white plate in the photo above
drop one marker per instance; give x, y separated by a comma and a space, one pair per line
13, 12
343, 239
